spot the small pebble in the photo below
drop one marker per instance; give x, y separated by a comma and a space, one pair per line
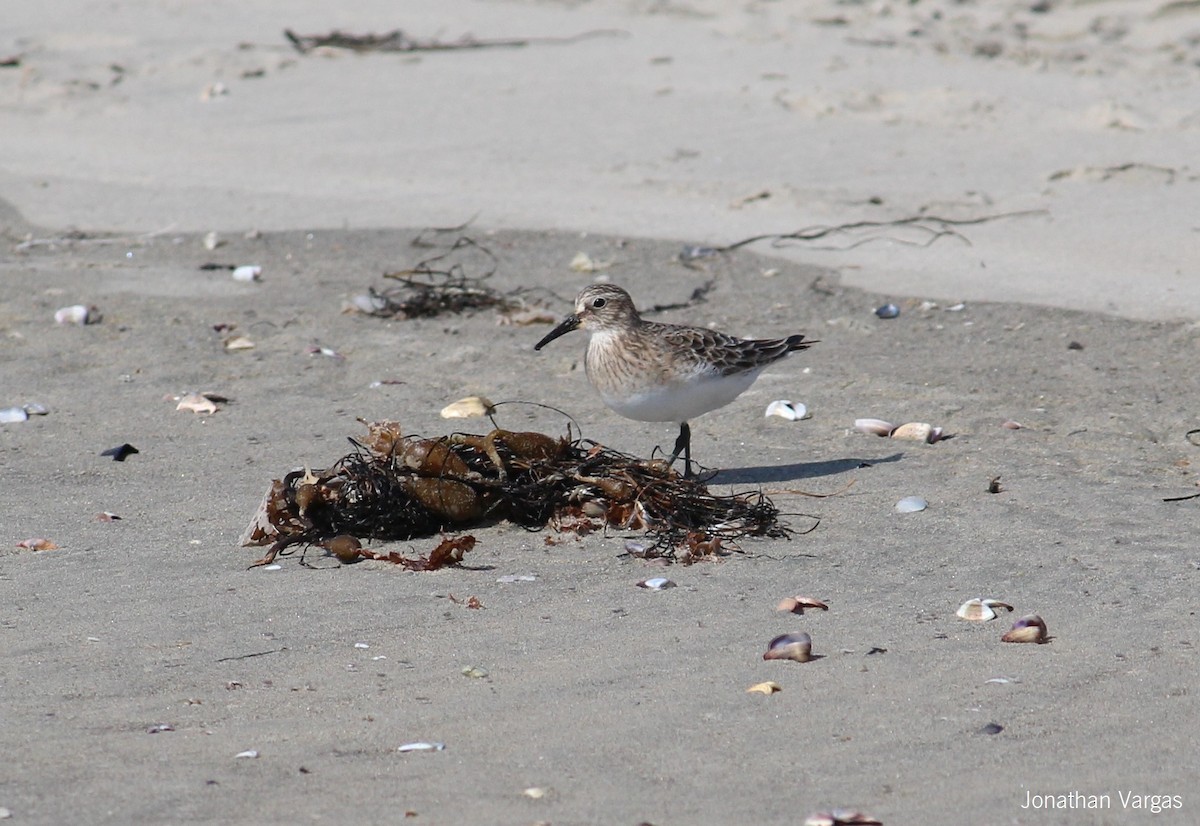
991, 728
887, 311
247, 272
911, 504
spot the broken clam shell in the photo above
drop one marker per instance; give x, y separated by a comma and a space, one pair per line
196, 403
468, 408
247, 272
796, 605
409, 747
1029, 628
796, 647
887, 311
769, 687
785, 409
657, 583
917, 432
980, 609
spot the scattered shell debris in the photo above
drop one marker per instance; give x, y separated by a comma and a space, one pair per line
887, 311
789, 410
798, 605
79, 314
1030, 628
328, 352
981, 609
474, 672
841, 817
658, 583
911, 504
411, 747
395, 487
247, 272
38, 543
796, 647
910, 431
769, 687
469, 408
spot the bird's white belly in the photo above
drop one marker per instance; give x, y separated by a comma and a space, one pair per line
680, 401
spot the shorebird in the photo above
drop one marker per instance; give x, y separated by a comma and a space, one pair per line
653, 372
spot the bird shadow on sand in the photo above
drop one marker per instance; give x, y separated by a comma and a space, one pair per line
763, 475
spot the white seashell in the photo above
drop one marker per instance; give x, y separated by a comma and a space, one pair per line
273, 568
362, 645
797, 605
658, 583
247, 272
876, 426
582, 262
911, 504
1009, 424
784, 409
507, 578
10, 415
239, 343
35, 409
369, 303
248, 753
768, 688
76, 314
212, 241
980, 609
468, 408
196, 403
535, 792
409, 747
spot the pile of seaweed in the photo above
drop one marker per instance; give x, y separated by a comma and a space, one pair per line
397, 487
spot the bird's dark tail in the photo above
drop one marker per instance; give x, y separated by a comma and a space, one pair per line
798, 342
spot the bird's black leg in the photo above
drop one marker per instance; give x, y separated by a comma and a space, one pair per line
683, 445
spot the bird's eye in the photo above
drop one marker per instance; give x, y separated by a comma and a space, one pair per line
597, 303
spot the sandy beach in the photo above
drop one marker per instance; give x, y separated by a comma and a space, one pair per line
1017, 179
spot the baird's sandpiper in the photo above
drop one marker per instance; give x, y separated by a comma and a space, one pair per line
653, 372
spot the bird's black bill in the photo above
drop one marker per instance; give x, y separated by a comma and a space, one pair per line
569, 323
